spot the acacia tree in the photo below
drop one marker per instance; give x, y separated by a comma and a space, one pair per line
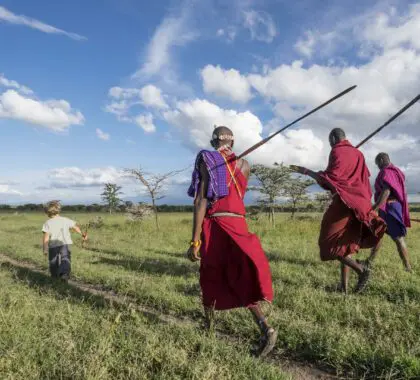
271, 184
296, 189
111, 196
154, 184
323, 199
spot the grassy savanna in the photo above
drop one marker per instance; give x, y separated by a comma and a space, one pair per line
372, 335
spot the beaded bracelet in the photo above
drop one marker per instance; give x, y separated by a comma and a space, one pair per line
195, 244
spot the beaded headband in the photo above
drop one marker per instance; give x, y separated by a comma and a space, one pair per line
224, 137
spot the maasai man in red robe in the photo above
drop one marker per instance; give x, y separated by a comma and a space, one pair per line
349, 223
392, 205
234, 271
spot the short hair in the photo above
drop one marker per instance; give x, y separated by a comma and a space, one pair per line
338, 133
222, 135
384, 157
52, 208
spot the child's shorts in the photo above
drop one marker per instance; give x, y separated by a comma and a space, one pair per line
60, 261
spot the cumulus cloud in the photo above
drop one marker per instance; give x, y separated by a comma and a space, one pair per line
12, 18
391, 30
102, 135
146, 122
4, 82
226, 83
56, 115
74, 177
151, 96
194, 120
261, 25
125, 99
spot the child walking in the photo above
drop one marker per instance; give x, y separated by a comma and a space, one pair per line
57, 240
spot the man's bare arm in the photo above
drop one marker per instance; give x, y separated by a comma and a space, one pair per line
383, 197
200, 204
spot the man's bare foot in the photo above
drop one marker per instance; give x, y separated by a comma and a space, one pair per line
363, 280
342, 288
267, 342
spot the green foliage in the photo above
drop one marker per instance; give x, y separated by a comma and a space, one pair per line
277, 181
271, 184
296, 189
111, 195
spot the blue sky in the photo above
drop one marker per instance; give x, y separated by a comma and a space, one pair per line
90, 88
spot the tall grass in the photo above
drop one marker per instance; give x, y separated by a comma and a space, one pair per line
373, 335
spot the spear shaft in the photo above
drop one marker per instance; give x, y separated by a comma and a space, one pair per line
401, 111
263, 141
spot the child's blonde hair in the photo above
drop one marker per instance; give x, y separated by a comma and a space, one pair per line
52, 208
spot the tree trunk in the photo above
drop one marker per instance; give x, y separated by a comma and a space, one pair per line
293, 210
156, 213
273, 222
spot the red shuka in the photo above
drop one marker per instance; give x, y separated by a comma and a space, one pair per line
234, 271
349, 224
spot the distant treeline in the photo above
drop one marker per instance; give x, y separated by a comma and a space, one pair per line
98, 208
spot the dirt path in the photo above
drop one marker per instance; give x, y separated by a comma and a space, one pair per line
298, 371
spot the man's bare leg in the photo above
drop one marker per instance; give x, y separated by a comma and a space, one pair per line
269, 335
344, 278
403, 252
363, 272
374, 253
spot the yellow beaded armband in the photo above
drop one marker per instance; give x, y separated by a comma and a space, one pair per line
195, 244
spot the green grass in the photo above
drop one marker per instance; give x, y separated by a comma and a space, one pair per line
373, 335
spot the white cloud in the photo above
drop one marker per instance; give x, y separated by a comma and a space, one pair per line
13, 84
146, 122
194, 121
226, 83
125, 99
123, 93
173, 31
391, 30
261, 25
74, 177
306, 45
151, 96
228, 33
10, 17
7, 190
56, 115
376, 29
102, 135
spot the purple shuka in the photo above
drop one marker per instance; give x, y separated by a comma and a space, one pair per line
395, 213
215, 164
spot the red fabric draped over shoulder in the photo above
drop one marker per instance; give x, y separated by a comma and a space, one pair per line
349, 224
